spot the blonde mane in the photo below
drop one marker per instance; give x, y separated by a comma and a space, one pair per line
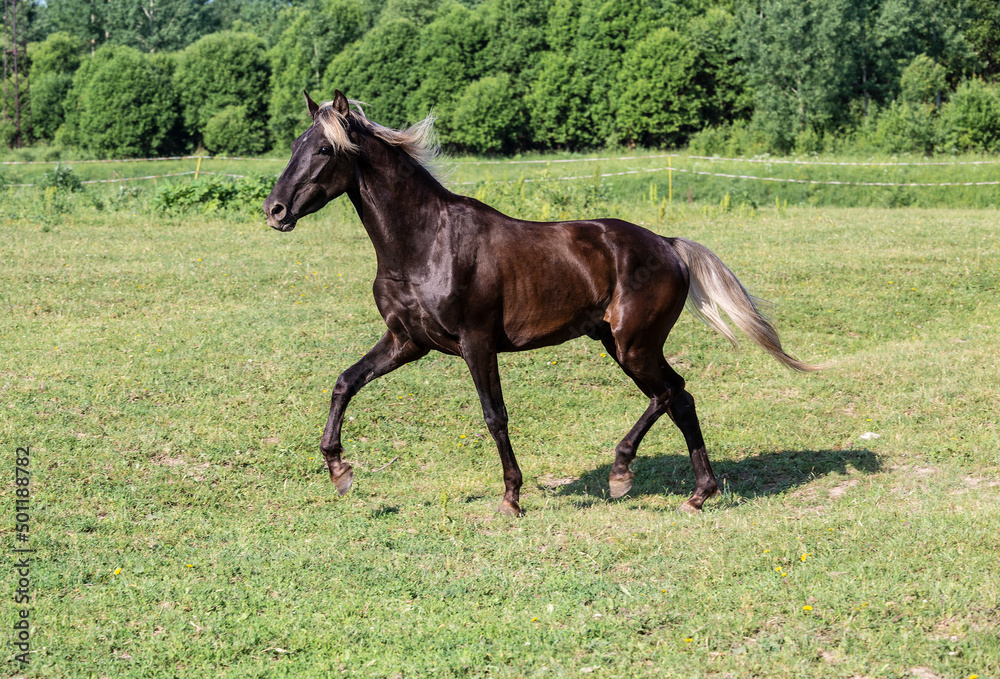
418, 141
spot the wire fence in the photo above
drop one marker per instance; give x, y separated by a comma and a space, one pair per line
605, 159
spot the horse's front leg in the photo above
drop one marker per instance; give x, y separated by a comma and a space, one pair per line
481, 357
388, 354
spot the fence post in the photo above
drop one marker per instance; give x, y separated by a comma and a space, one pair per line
197, 168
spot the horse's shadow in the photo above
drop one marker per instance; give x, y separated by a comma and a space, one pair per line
761, 475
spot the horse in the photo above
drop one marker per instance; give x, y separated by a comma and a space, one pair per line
455, 275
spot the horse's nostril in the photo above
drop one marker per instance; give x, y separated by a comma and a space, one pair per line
277, 210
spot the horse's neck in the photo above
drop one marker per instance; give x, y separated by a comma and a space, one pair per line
400, 205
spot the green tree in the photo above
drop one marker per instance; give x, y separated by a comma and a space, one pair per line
447, 60
970, 121
488, 117
81, 18
156, 25
660, 101
516, 33
809, 62
379, 71
922, 81
121, 104
560, 104
983, 34
571, 98
60, 52
245, 16
221, 70
797, 57
906, 127
52, 64
232, 132
717, 69
315, 34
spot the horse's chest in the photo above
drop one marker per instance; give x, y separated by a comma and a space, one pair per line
421, 312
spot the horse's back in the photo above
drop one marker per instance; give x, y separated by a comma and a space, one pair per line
559, 280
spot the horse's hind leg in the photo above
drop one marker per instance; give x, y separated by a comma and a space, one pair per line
683, 414
665, 388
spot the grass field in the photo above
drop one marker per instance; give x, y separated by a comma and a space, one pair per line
171, 376
627, 174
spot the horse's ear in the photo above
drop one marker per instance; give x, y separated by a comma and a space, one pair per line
311, 105
340, 103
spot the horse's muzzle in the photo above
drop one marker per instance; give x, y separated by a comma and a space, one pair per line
278, 216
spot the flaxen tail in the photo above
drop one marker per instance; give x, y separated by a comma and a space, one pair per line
714, 287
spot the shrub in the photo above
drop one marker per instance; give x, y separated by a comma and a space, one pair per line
906, 127
736, 139
306, 46
48, 92
232, 132
922, 81
121, 104
378, 70
488, 117
971, 120
222, 70
212, 194
61, 178
659, 102
7, 133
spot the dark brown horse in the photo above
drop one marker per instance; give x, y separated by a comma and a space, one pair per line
456, 276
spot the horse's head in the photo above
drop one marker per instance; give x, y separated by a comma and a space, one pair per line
320, 169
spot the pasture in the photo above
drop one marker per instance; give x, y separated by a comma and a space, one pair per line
171, 375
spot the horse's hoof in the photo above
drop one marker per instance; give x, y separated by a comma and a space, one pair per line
619, 485
689, 508
509, 508
344, 480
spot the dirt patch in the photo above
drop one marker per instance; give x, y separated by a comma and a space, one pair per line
832, 657
981, 483
841, 488
167, 461
550, 481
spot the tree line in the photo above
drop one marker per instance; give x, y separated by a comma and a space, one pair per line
138, 77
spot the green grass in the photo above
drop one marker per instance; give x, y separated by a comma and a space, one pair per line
634, 173
172, 375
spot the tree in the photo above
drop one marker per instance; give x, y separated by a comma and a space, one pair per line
660, 101
221, 70
81, 18
121, 104
560, 104
971, 120
53, 62
245, 16
922, 81
378, 70
316, 33
717, 70
447, 60
156, 25
809, 62
797, 57
232, 132
488, 116
516, 33
983, 34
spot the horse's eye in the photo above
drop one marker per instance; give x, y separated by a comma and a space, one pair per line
324, 151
